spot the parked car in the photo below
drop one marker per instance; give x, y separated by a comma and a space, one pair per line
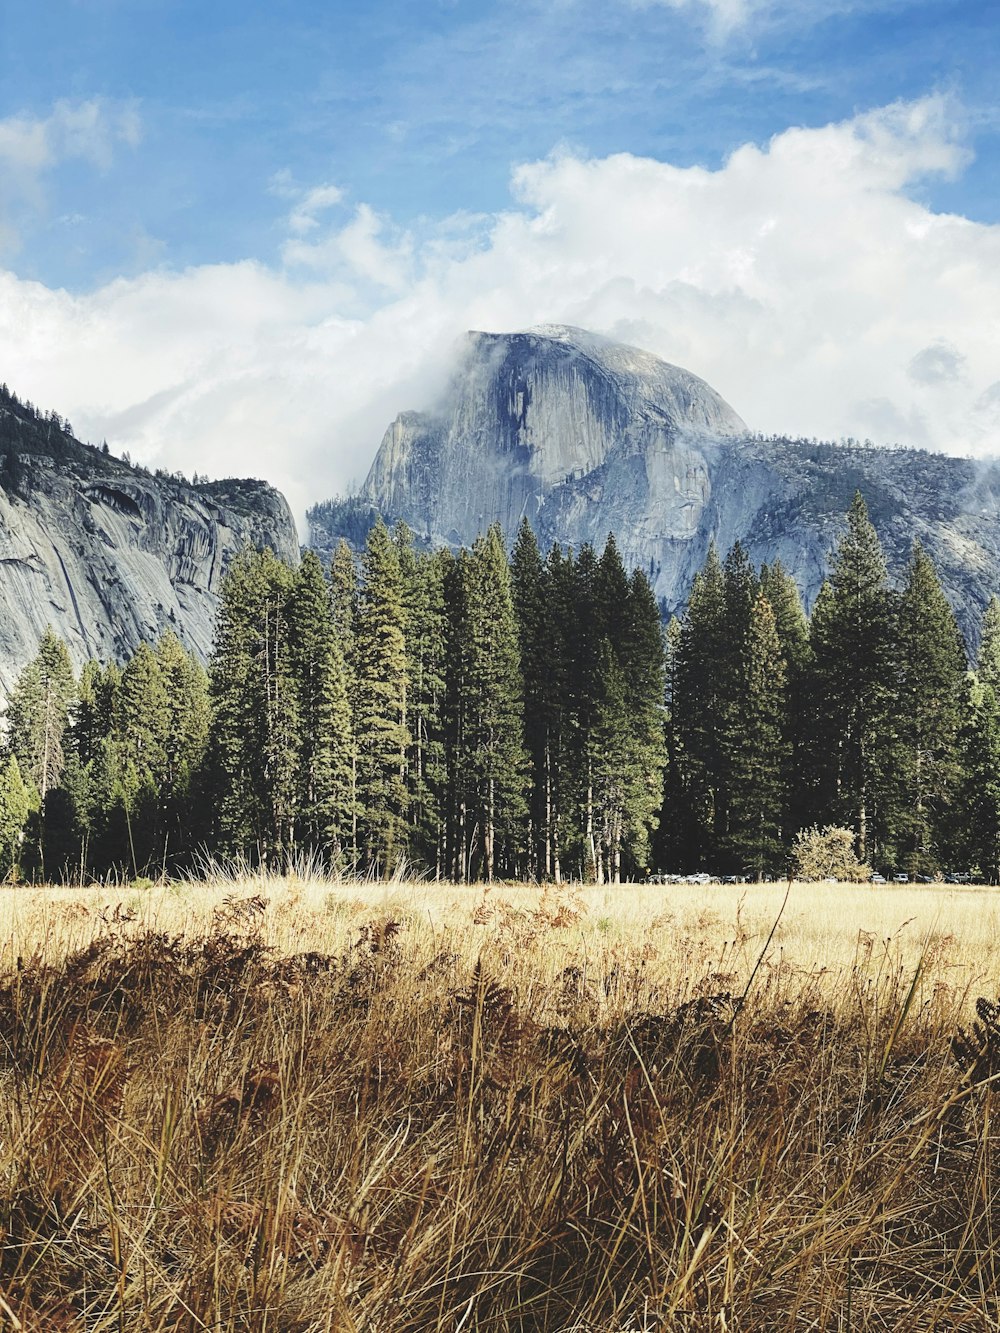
877, 879
901, 878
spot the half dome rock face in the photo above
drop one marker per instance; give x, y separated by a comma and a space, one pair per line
585, 436
551, 421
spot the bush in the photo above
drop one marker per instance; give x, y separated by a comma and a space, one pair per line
827, 853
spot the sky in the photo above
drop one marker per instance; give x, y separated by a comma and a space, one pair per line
239, 238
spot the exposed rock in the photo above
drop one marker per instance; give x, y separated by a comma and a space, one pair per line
587, 437
109, 555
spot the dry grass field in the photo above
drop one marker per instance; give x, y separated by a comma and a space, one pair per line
302, 1106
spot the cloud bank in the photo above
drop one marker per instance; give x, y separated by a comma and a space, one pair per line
803, 279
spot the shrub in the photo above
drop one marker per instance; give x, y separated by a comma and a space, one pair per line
827, 853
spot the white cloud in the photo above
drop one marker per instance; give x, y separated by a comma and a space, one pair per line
90, 130
32, 146
800, 279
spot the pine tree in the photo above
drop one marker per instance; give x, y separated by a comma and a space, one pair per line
95, 708
485, 758
324, 778
753, 842
792, 629
698, 715
587, 691
528, 589
141, 715
932, 667
343, 593
188, 715
643, 660
379, 706
553, 672
254, 737
740, 588
853, 681
15, 807
988, 660
38, 714
425, 632
668, 848
976, 830
493, 745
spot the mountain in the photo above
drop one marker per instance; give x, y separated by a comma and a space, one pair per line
108, 554
586, 436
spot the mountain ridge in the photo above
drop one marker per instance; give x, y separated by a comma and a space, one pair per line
585, 436
108, 553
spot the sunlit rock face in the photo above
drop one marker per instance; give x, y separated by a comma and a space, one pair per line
585, 436
110, 556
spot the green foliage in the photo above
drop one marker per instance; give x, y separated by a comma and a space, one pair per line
853, 685
15, 807
932, 667
479, 715
254, 734
325, 757
379, 686
486, 761
38, 714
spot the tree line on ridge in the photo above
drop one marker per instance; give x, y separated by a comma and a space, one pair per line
482, 714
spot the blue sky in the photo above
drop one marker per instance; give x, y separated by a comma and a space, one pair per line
420, 110
331, 170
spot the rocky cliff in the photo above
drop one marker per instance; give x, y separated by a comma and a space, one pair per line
585, 436
108, 554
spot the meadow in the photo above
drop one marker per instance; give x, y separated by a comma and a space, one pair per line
302, 1105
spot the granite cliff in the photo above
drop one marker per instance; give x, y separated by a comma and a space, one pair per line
108, 554
585, 436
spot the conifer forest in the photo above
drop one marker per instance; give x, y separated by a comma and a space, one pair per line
524, 715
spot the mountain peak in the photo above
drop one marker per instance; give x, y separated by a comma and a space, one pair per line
585, 436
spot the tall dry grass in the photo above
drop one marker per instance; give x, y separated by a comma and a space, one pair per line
291, 1105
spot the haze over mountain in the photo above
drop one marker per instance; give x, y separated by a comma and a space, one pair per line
585, 436
108, 554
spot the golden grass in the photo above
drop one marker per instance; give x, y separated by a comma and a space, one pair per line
680, 933
293, 1106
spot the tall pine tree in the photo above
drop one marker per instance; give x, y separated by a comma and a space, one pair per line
853, 680
324, 776
932, 667
380, 684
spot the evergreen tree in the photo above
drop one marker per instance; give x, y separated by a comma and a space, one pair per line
698, 716
95, 709
988, 660
38, 714
587, 691
932, 667
553, 672
753, 842
325, 753
644, 665
670, 839
15, 807
975, 832
254, 737
188, 715
792, 629
141, 715
740, 587
853, 680
425, 632
493, 753
380, 702
535, 643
